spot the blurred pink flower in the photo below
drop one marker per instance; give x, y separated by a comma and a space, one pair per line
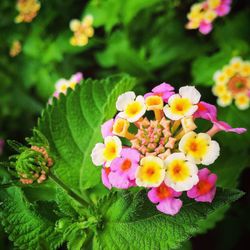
205, 27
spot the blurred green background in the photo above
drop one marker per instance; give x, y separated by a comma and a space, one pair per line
146, 39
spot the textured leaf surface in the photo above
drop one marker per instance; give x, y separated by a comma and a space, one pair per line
133, 223
72, 127
25, 227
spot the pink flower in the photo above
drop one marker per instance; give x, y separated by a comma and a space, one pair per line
105, 177
204, 190
164, 90
107, 128
77, 77
165, 197
223, 126
206, 111
123, 169
205, 27
224, 8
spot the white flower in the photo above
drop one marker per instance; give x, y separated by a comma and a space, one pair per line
107, 152
199, 148
132, 108
181, 175
182, 104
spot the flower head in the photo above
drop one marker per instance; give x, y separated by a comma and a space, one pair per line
165, 197
151, 146
202, 15
233, 83
204, 190
83, 30
16, 48
27, 9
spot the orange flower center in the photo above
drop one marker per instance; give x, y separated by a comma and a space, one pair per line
126, 165
204, 187
163, 191
238, 84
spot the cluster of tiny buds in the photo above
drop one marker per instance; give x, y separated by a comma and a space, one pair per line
39, 177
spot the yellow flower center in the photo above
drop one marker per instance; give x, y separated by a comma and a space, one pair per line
196, 147
110, 151
178, 170
64, 88
133, 109
180, 106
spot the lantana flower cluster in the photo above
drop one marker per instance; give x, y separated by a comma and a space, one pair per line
82, 29
15, 49
202, 15
27, 9
232, 82
62, 84
152, 143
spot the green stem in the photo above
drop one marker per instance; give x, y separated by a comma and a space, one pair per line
69, 191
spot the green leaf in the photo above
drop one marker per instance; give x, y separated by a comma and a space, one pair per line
131, 220
72, 126
27, 228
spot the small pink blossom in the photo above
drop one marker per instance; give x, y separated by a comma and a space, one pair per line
205, 189
77, 77
164, 90
206, 111
224, 8
165, 197
107, 128
205, 27
123, 169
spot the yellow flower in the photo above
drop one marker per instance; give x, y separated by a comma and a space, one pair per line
236, 64
181, 174
245, 69
242, 101
183, 104
83, 30
219, 89
220, 77
15, 49
131, 108
225, 99
151, 172
107, 152
229, 71
199, 148
120, 128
